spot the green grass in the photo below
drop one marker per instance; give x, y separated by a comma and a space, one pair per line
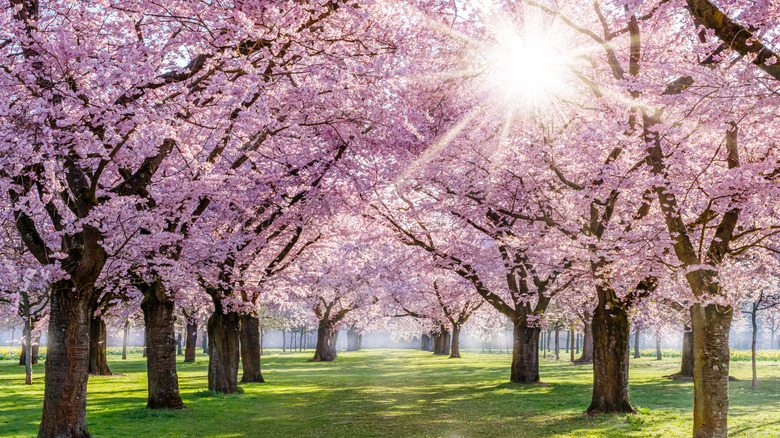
394, 393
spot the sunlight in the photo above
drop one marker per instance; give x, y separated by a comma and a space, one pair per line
526, 70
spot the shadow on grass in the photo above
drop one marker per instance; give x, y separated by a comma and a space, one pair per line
391, 393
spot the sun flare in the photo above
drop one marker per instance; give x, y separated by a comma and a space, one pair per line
526, 70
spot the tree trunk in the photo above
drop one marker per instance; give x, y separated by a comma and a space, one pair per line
178, 344
284, 340
637, 354
28, 356
160, 341
67, 362
587, 345
36, 346
441, 343
326, 346
124, 339
36, 341
262, 338
557, 356
525, 353
223, 330
611, 347
300, 341
192, 340
144, 343
250, 349
568, 341
455, 350
204, 343
754, 384
572, 341
98, 363
658, 355
711, 325
686, 362
426, 342
352, 340
334, 340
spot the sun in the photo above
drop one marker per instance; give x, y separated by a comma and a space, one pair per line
526, 70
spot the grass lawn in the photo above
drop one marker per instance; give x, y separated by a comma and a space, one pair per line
392, 393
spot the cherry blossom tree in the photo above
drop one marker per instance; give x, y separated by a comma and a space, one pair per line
424, 291
112, 125
24, 294
337, 278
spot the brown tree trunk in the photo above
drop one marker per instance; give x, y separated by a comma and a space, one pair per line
36, 345
611, 347
179, 352
754, 383
67, 363
28, 355
36, 341
223, 329
124, 339
204, 343
441, 343
160, 341
557, 355
98, 363
658, 355
326, 348
637, 354
686, 362
525, 353
262, 338
711, 325
587, 345
572, 341
192, 340
284, 340
334, 339
426, 343
455, 343
250, 349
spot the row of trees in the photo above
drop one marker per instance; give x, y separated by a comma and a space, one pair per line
360, 161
